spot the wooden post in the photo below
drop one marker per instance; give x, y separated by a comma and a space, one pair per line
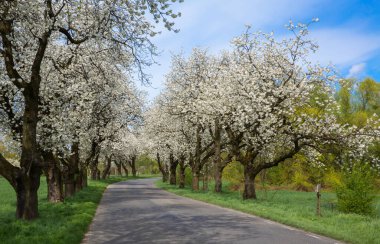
318, 191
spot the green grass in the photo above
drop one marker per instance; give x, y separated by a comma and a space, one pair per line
296, 209
58, 223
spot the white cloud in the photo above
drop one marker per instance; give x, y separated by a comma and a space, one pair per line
344, 46
356, 70
213, 23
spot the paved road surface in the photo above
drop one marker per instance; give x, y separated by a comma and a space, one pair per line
136, 211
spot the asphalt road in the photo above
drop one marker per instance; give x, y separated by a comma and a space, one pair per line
136, 211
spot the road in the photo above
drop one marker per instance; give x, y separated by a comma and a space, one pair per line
136, 211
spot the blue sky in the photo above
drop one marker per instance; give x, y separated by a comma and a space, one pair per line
348, 32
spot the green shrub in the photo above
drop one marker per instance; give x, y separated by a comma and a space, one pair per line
188, 176
356, 191
233, 173
332, 178
301, 183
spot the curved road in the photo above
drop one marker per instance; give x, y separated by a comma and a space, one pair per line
136, 211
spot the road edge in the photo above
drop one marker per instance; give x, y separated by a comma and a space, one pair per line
269, 221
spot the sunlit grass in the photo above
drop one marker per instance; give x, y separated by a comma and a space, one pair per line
297, 209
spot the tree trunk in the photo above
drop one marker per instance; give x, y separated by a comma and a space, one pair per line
79, 181
93, 173
53, 178
182, 169
69, 181
105, 173
26, 192
72, 171
76, 167
195, 182
125, 168
218, 179
249, 182
134, 171
107, 168
132, 163
84, 177
166, 169
94, 168
196, 163
163, 169
98, 174
119, 172
173, 170
173, 176
91, 162
54, 184
29, 181
218, 168
69, 187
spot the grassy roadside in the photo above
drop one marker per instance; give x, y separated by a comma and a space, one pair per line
58, 223
295, 209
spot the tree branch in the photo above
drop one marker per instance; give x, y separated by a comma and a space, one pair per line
7, 53
70, 38
7, 170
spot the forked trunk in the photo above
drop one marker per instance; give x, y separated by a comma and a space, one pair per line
28, 179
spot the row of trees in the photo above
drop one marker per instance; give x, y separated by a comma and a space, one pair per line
297, 173
67, 97
261, 104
